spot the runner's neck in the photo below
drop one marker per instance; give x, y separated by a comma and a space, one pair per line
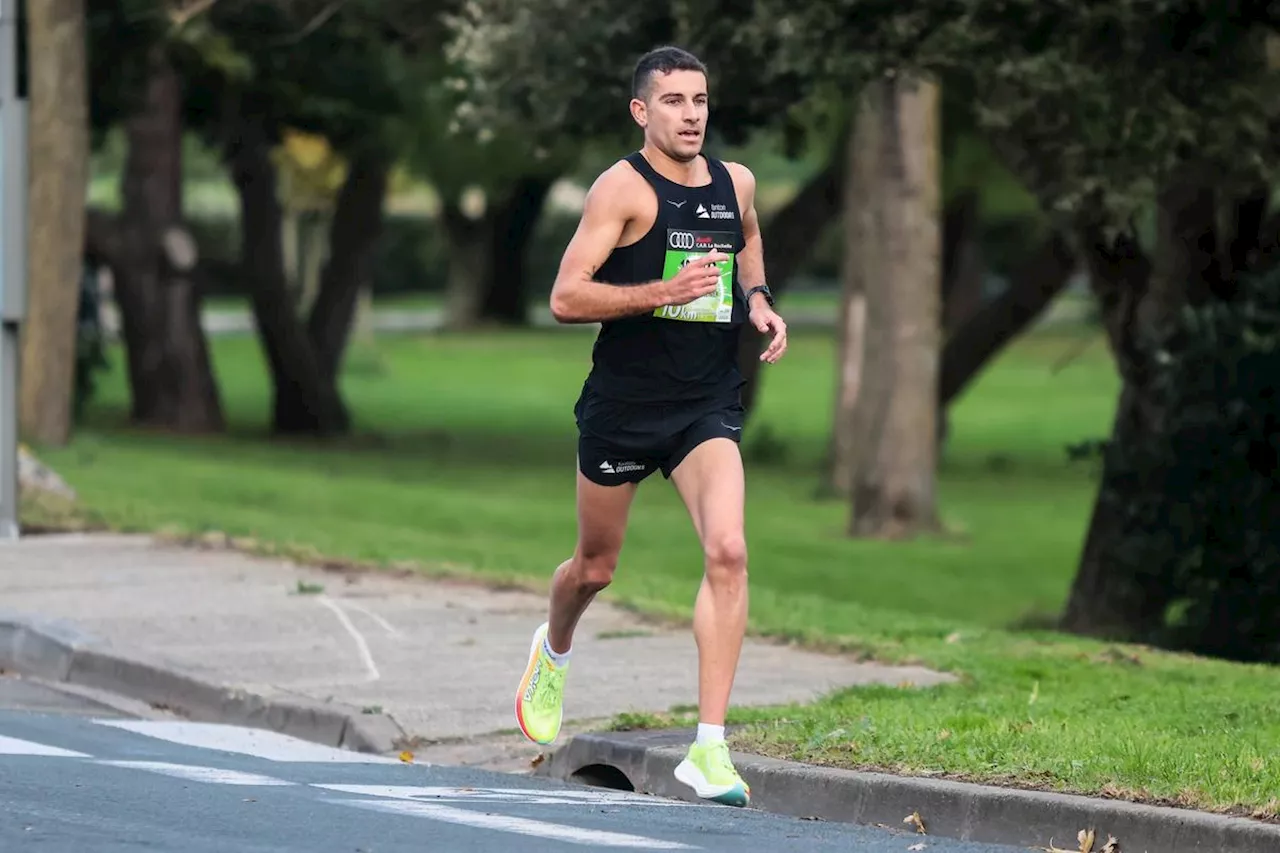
691, 174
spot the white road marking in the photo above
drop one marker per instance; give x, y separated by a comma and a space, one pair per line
212, 775
362, 646
258, 743
519, 796
519, 825
383, 623
14, 746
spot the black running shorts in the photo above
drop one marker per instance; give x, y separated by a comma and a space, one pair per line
622, 443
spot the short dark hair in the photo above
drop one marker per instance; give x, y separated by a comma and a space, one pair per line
661, 60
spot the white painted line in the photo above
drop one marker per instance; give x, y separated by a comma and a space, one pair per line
362, 646
383, 623
520, 796
14, 746
259, 743
518, 825
211, 775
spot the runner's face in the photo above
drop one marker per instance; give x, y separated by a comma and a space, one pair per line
674, 116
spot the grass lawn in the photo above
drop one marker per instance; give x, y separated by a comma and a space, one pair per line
463, 461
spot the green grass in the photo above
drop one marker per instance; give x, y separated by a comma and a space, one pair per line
463, 461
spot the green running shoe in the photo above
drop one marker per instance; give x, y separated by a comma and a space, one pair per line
709, 771
540, 699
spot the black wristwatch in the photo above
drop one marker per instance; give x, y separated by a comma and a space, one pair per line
762, 288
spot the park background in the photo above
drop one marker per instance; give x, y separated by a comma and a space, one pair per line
289, 273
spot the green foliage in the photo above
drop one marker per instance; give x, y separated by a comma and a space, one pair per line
1094, 104
120, 32
436, 147
523, 65
1206, 516
551, 68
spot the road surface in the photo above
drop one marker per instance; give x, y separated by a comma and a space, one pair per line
79, 776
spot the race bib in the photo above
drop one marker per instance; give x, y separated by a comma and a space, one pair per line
683, 248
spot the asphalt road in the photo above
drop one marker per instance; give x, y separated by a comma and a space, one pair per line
78, 776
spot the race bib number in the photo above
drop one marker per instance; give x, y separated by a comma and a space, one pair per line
683, 248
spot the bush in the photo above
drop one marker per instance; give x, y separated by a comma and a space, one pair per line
1207, 507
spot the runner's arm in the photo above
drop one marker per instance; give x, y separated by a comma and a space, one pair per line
576, 297
751, 258
751, 267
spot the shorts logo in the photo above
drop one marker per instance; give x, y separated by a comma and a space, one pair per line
620, 467
681, 240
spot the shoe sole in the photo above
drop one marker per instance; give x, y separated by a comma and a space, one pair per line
726, 795
524, 685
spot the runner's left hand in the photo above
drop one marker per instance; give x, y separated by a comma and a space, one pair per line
767, 320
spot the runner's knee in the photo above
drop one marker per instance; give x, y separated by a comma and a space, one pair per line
726, 556
595, 568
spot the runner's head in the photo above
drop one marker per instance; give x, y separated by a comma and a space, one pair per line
669, 100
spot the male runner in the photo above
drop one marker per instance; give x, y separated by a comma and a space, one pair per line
668, 258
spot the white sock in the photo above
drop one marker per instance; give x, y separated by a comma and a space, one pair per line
708, 734
558, 658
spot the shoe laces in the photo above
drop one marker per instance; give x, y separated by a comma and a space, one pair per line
718, 757
547, 696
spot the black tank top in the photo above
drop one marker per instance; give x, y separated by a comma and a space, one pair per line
676, 354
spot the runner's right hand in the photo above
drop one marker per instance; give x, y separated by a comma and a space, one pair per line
698, 278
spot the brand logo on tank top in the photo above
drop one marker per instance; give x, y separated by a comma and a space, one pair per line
713, 211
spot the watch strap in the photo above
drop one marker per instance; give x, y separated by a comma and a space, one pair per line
761, 288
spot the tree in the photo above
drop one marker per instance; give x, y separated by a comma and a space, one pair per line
346, 73
492, 189
891, 315
1107, 111
145, 246
58, 158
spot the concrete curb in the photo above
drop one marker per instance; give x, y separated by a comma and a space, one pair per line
956, 810
59, 652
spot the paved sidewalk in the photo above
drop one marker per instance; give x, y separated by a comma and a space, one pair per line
440, 658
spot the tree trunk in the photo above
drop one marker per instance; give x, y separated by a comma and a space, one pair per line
861, 263
894, 491
1116, 594
505, 295
170, 373
963, 267
788, 237
58, 157
306, 396
353, 236
487, 281
470, 259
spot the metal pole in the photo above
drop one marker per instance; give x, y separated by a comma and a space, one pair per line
13, 258
9, 528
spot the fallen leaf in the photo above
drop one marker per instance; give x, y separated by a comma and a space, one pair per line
914, 818
406, 756
944, 734
1086, 838
1112, 846
538, 759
